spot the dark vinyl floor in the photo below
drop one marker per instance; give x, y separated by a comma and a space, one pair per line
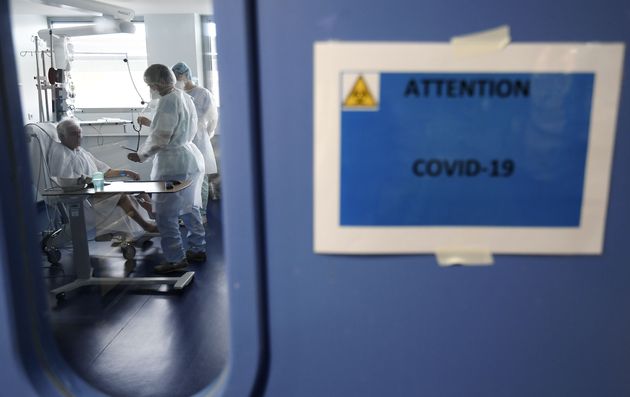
153, 342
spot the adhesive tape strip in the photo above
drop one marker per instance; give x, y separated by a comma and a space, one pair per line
483, 42
464, 257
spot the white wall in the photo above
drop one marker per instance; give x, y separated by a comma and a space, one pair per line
173, 38
24, 27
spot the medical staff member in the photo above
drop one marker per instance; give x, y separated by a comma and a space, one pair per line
175, 157
207, 116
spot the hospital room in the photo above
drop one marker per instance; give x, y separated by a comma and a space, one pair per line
331, 198
89, 104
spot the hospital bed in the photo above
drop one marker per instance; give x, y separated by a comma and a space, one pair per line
126, 233
39, 139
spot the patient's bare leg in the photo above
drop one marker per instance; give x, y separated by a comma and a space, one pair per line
145, 202
126, 204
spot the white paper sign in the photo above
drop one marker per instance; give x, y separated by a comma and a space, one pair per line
419, 150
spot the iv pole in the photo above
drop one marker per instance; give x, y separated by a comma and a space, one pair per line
39, 88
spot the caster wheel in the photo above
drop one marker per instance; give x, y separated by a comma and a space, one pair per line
129, 252
43, 243
53, 255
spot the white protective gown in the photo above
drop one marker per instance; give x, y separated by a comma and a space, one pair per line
170, 144
102, 213
206, 122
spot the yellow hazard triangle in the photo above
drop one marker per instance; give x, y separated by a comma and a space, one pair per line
360, 96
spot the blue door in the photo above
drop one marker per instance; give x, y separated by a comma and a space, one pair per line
336, 325
305, 324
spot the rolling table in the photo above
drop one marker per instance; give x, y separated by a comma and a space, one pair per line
81, 257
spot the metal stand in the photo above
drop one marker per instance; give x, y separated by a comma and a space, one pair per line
83, 267
177, 282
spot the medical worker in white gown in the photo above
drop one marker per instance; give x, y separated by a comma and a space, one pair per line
175, 157
207, 117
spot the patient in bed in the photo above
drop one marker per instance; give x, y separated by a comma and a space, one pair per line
69, 160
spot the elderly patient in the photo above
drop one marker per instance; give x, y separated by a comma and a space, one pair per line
69, 160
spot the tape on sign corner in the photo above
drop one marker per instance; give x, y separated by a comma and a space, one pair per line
464, 257
484, 42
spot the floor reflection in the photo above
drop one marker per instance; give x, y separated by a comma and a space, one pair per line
145, 342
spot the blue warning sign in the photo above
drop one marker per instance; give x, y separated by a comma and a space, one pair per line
466, 149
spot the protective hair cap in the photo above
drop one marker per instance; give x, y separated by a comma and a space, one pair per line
160, 75
64, 125
181, 68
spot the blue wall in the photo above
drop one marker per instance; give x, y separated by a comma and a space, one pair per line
400, 325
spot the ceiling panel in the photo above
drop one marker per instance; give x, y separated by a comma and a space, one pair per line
141, 7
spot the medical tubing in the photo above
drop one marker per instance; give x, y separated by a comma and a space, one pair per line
133, 125
126, 61
100, 139
136, 130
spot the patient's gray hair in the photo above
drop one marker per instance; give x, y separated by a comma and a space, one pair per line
64, 125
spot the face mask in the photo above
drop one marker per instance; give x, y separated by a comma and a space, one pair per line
179, 84
155, 94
